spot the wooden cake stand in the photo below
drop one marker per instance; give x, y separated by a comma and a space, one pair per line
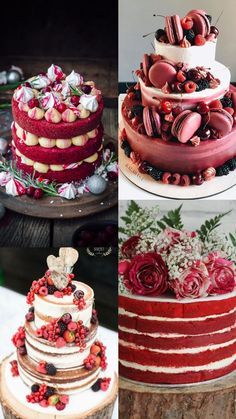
14, 409
213, 400
59, 208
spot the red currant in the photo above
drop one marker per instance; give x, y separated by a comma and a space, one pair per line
166, 106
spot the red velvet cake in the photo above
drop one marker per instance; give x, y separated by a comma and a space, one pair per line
177, 304
179, 119
57, 130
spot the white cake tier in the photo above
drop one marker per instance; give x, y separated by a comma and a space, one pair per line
193, 56
68, 356
189, 100
51, 307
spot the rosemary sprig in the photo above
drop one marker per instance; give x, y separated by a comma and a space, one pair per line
76, 91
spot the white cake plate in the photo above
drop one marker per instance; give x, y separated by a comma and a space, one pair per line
143, 181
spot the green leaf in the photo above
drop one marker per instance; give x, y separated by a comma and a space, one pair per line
122, 230
210, 225
127, 220
172, 219
233, 238
133, 207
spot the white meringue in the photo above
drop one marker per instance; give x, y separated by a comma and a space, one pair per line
113, 167
39, 82
15, 187
89, 102
55, 73
67, 190
65, 91
74, 79
49, 100
24, 94
4, 178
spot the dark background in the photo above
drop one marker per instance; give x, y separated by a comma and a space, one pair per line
19, 267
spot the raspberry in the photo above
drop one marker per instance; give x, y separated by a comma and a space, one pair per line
199, 40
60, 342
14, 368
51, 369
187, 23
64, 399
43, 403
94, 317
216, 104
43, 291
33, 103
58, 294
105, 384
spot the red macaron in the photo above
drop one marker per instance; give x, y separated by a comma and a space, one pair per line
162, 72
221, 121
185, 125
174, 29
152, 122
201, 23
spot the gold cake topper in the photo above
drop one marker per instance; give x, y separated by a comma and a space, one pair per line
62, 265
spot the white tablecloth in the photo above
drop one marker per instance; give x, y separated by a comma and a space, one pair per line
13, 308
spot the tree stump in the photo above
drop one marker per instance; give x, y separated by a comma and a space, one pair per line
213, 400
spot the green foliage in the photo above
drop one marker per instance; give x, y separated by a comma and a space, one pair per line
172, 219
232, 237
210, 225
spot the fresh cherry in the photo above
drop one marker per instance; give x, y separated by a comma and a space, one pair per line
38, 193
197, 179
187, 23
61, 107
86, 89
75, 100
166, 106
203, 108
27, 84
30, 191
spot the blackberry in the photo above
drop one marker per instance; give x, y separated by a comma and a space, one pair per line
31, 309
51, 369
35, 388
73, 287
51, 289
222, 170
62, 326
156, 174
66, 318
202, 85
137, 110
159, 33
231, 164
209, 17
190, 35
96, 386
226, 102
49, 392
124, 144
127, 151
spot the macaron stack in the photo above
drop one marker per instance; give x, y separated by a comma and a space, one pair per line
179, 119
57, 131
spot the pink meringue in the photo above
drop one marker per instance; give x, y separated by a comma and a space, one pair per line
24, 94
15, 187
49, 100
39, 82
55, 73
67, 191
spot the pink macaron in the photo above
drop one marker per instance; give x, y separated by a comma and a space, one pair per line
162, 72
152, 122
221, 121
185, 125
201, 23
174, 29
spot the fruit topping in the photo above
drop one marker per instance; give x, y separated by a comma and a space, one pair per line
14, 368
187, 23
190, 87
199, 40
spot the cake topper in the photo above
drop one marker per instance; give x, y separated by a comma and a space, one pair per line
61, 266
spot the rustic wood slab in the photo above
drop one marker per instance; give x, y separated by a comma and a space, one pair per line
215, 400
60, 208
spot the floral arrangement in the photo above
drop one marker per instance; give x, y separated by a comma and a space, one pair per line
159, 256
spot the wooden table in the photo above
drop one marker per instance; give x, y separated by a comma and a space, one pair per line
20, 230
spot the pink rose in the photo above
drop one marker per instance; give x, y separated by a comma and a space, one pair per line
193, 282
128, 248
222, 274
146, 275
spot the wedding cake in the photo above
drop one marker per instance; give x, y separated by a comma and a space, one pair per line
177, 303
59, 359
178, 121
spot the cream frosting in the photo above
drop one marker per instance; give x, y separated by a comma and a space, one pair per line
89, 102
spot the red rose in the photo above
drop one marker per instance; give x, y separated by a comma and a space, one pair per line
146, 275
222, 274
128, 248
193, 282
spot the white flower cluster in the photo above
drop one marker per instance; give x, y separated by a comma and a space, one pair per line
221, 243
122, 290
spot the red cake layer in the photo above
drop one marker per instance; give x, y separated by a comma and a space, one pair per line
68, 175
59, 156
175, 308
179, 378
173, 156
183, 341
43, 128
159, 359
190, 327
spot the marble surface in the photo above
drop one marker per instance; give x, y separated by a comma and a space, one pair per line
13, 309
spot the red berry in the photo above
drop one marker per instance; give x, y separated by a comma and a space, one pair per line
30, 191
197, 179
166, 106
61, 107
43, 291
177, 110
33, 103
75, 100
60, 406
69, 336
29, 317
58, 294
64, 399
216, 104
72, 326
41, 368
190, 87
203, 108
187, 23
181, 77
131, 96
199, 40
60, 342
38, 193
104, 385
43, 403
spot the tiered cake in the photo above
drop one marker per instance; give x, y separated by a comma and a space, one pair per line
177, 305
57, 130
59, 355
178, 121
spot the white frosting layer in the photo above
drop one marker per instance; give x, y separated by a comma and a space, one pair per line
169, 370
55, 307
193, 56
122, 311
196, 350
66, 357
172, 335
66, 388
